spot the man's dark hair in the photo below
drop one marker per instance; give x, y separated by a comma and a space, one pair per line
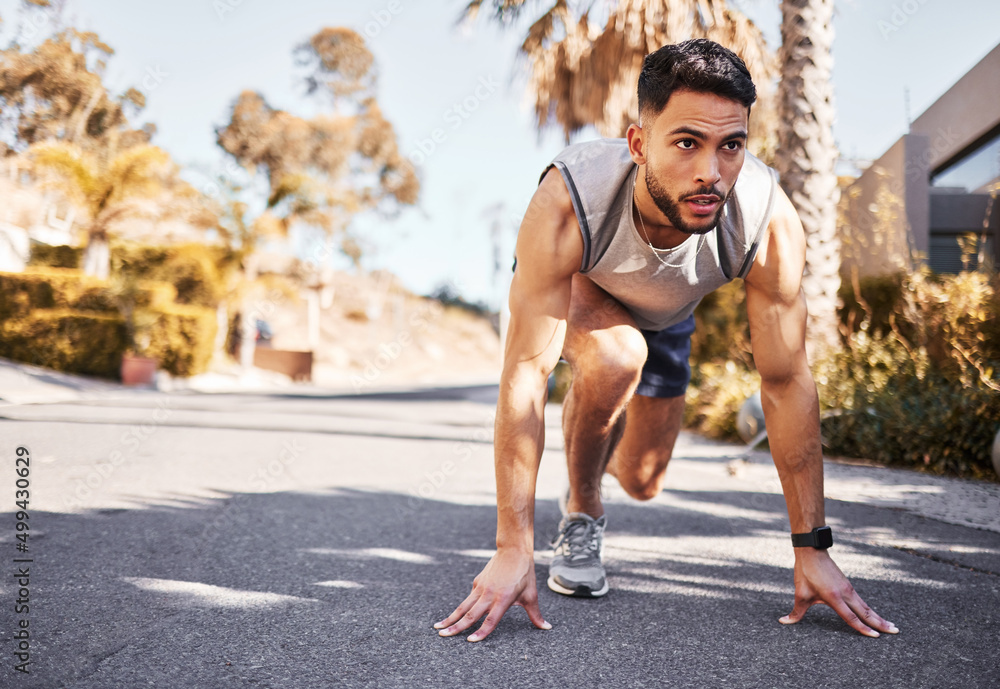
698, 65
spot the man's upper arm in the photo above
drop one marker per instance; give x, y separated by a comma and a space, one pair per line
776, 308
549, 251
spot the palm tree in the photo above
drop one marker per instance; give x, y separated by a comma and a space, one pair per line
101, 187
582, 75
808, 154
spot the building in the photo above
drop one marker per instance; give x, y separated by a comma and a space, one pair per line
937, 183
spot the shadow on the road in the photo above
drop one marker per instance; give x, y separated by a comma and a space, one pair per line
255, 589
484, 394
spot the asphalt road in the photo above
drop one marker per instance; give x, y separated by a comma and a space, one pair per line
303, 540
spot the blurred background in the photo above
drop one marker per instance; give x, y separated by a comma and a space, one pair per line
224, 194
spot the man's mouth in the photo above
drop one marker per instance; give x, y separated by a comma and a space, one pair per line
703, 204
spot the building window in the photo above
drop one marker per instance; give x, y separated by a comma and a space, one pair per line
976, 172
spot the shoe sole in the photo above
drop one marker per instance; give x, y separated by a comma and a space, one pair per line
579, 591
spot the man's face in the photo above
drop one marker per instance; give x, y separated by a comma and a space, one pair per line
694, 151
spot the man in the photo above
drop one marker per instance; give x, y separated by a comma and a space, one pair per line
619, 243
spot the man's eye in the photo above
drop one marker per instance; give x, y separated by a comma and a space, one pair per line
732, 145
686, 144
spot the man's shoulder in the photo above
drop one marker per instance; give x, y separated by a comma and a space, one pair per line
584, 152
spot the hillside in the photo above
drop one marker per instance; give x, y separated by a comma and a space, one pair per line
377, 334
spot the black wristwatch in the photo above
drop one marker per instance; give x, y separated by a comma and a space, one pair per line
821, 537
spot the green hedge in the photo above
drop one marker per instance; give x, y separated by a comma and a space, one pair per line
198, 272
61, 319
52, 288
43, 255
183, 338
71, 341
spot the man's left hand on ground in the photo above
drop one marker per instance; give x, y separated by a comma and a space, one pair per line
819, 580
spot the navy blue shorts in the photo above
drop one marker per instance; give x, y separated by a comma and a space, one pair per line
667, 370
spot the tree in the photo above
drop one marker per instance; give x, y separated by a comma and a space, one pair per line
808, 154
55, 92
105, 188
318, 172
582, 75
322, 171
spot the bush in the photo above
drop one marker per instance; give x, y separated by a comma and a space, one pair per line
915, 384
718, 390
183, 338
871, 299
52, 288
722, 375
199, 273
64, 320
72, 341
43, 255
894, 407
721, 330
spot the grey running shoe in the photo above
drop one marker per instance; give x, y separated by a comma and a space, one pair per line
576, 568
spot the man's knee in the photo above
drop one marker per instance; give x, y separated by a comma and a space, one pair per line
614, 356
644, 481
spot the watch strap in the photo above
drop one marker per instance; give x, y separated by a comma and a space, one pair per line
821, 537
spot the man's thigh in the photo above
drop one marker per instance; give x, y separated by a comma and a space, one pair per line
593, 314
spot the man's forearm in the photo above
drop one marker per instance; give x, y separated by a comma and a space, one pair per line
518, 443
791, 410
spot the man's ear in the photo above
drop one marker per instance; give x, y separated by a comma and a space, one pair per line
636, 144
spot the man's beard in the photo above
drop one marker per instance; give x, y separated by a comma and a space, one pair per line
672, 209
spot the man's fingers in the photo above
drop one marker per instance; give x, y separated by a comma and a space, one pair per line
798, 611
463, 607
468, 619
491, 621
845, 612
869, 616
530, 605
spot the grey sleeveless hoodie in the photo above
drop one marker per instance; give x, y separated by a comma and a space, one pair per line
600, 177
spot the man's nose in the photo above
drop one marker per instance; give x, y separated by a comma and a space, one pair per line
707, 171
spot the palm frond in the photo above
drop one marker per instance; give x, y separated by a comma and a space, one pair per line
74, 172
582, 74
136, 172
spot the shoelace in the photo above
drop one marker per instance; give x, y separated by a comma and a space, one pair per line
580, 536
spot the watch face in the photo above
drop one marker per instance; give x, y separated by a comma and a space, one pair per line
823, 536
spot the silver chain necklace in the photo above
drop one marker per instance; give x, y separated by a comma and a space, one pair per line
642, 224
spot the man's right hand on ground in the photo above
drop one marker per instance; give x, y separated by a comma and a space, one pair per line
508, 579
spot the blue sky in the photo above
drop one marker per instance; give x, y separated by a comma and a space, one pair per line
193, 57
